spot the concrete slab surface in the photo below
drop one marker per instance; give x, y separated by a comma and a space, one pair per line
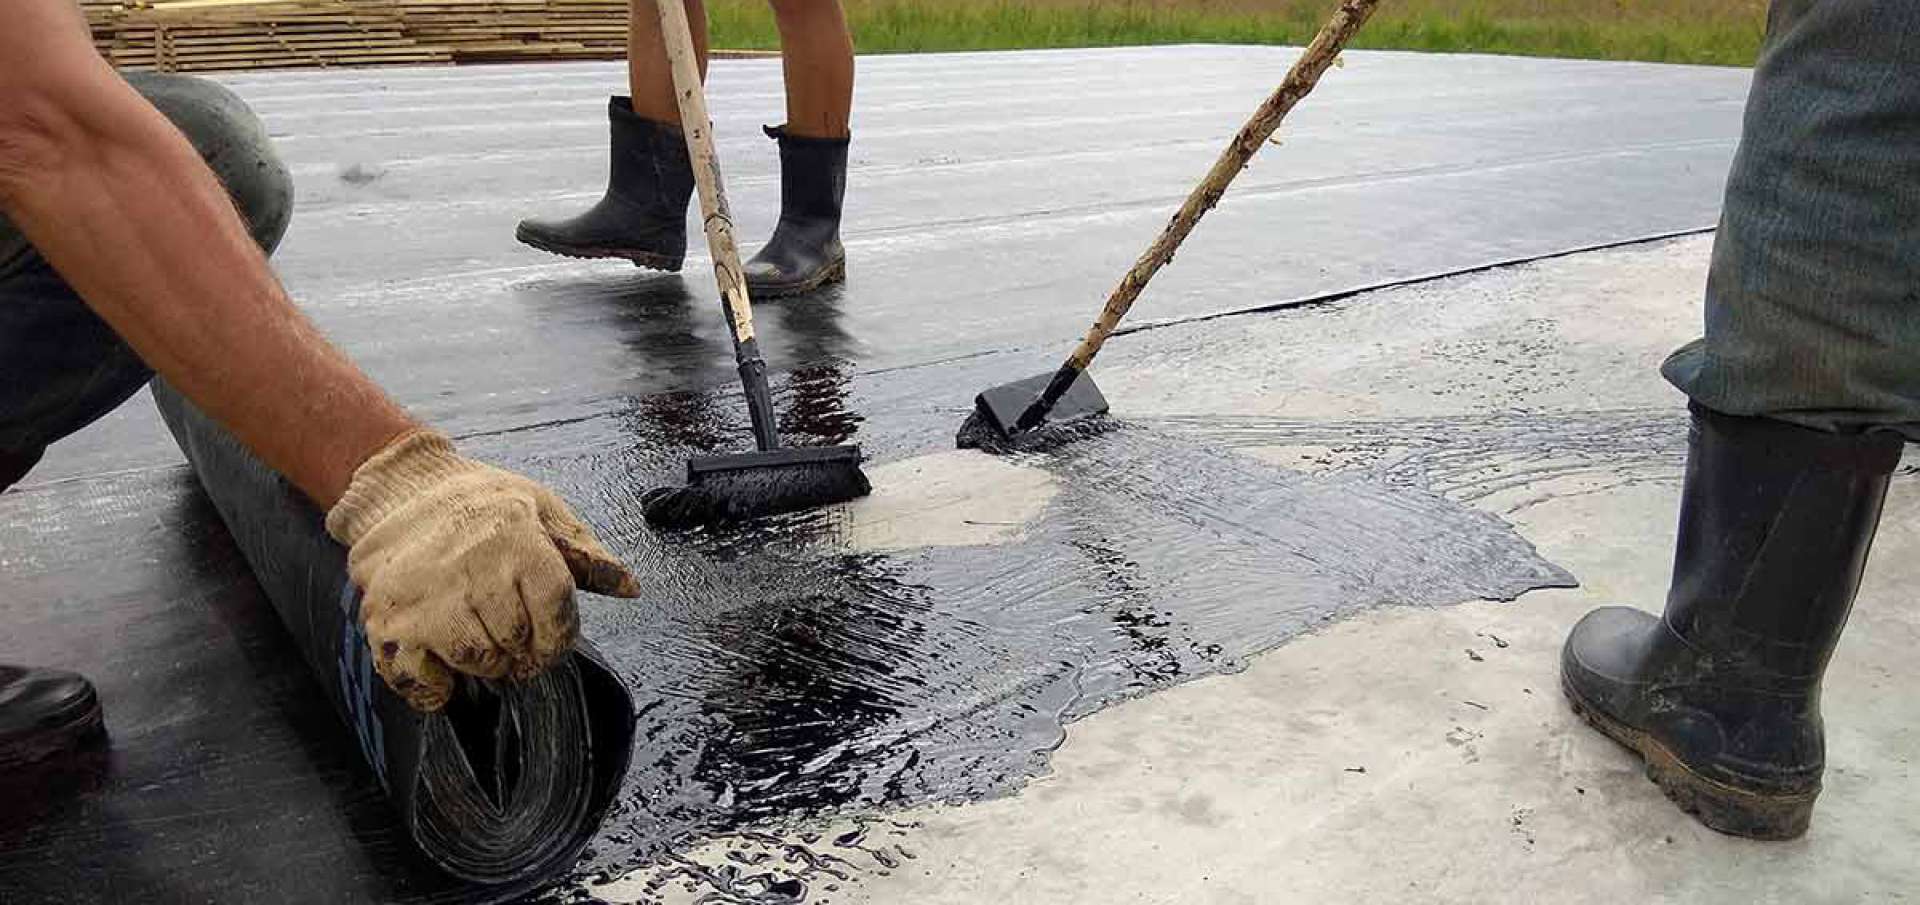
1423, 754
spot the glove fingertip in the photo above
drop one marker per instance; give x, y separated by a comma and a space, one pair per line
597, 572
614, 580
416, 676
428, 699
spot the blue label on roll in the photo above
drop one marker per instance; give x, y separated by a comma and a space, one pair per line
357, 683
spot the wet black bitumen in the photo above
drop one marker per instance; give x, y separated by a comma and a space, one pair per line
779, 675
792, 678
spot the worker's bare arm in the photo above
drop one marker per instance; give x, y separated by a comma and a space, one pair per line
463, 566
121, 205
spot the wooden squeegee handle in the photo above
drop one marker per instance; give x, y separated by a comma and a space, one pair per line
718, 220
1300, 80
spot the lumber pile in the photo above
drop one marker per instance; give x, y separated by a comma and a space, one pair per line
499, 30
100, 16
205, 35
212, 35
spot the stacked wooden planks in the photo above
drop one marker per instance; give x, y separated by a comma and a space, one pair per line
490, 30
210, 35
101, 15
200, 35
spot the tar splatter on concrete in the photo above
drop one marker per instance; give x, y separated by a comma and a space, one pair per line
781, 677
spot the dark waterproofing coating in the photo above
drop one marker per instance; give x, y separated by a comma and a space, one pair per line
504, 787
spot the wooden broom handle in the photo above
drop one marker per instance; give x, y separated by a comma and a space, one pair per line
1300, 79
698, 126
692, 97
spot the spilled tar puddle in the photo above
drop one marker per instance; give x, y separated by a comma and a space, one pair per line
782, 676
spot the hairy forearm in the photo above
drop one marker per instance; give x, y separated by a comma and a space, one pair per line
463, 567
121, 205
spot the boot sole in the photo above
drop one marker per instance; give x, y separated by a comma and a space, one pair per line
1721, 807
88, 728
639, 258
832, 273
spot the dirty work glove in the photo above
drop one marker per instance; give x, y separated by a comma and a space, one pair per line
463, 566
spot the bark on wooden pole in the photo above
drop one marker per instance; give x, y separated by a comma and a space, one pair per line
1300, 80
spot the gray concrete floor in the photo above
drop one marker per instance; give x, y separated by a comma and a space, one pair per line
1418, 755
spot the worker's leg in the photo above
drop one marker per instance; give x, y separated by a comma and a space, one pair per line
1813, 302
649, 75
61, 367
817, 54
642, 216
1804, 386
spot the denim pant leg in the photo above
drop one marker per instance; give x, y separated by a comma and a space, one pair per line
1813, 300
61, 366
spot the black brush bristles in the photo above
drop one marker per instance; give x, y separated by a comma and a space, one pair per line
995, 424
977, 433
728, 489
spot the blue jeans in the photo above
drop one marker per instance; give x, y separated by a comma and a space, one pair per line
61, 366
1813, 300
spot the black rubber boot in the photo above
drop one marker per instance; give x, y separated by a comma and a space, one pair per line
15, 465
643, 216
44, 712
1721, 696
804, 253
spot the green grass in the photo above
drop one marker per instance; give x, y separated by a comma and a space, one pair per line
1723, 32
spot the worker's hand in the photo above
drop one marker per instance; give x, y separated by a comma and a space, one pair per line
464, 566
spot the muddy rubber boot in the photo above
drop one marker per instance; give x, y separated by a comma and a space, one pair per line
1721, 695
643, 216
44, 712
804, 253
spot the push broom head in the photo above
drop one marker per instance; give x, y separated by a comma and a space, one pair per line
724, 489
996, 423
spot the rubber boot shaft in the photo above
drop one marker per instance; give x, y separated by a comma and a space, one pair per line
805, 252
44, 713
643, 215
1721, 695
